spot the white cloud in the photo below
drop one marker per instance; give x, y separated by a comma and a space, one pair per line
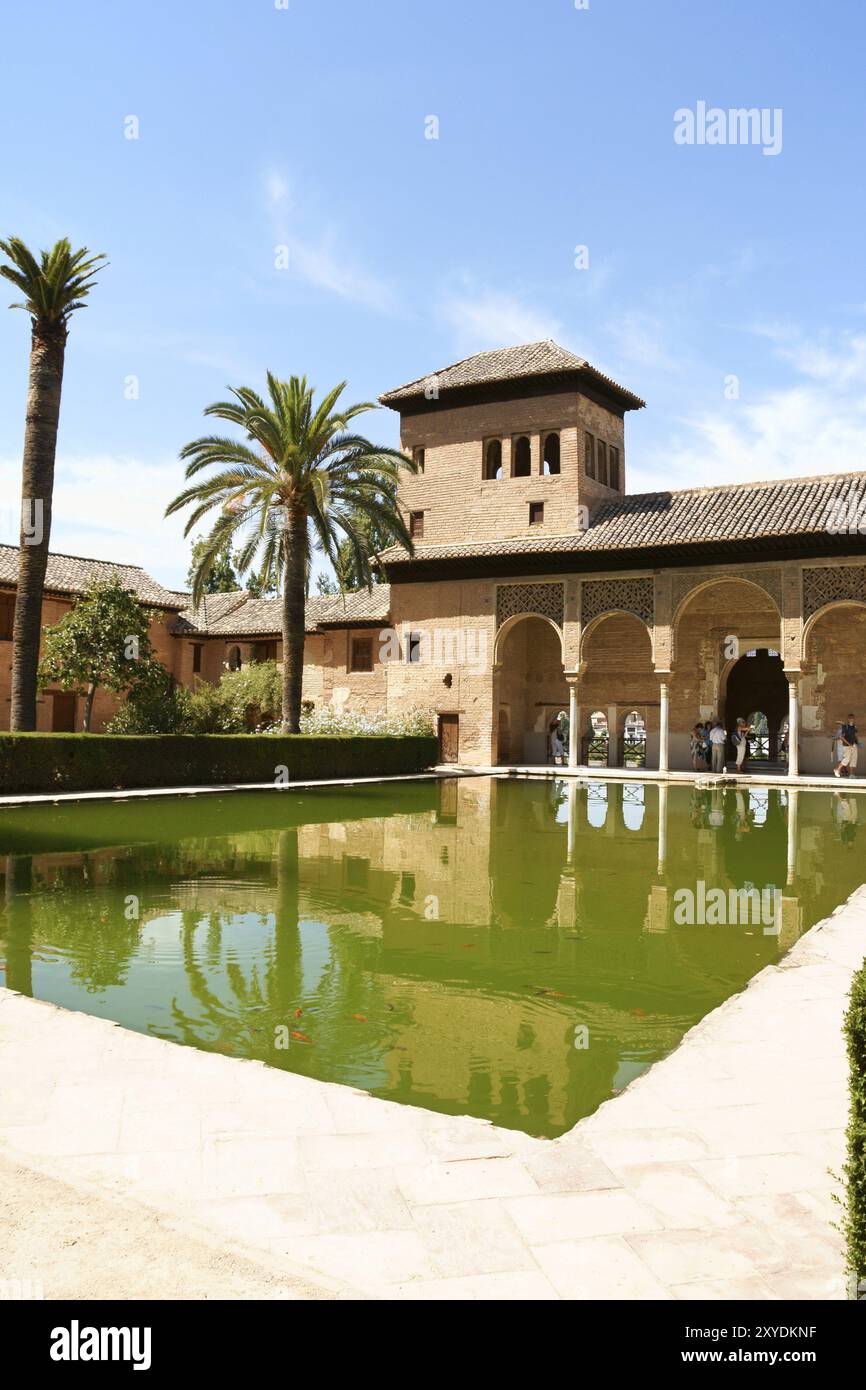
482, 318
316, 257
639, 337
816, 425
109, 508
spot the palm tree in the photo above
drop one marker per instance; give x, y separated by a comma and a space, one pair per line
53, 288
302, 482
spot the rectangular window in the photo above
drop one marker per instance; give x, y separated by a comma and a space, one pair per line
362, 654
536, 513
589, 455
602, 462
197, 649
613, 460
416, 525
7, 616
413, 647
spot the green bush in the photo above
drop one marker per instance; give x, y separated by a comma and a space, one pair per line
32, 763
854, 1225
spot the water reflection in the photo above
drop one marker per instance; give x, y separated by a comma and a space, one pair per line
437, 943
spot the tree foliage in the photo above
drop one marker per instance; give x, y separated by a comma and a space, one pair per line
102, 642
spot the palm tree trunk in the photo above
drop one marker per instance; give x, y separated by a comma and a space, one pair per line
294, 615
47, 349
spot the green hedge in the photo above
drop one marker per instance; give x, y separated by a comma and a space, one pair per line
102, 762
855, 1168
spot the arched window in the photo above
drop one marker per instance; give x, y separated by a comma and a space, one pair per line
521, 466
419, 458
493, 459
597, 740
550, 458
234, 658
633, 805
634, 740
596, 805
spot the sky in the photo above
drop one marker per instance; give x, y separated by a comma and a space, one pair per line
284, 207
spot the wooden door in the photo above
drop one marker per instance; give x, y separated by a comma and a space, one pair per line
449, 737
62, 712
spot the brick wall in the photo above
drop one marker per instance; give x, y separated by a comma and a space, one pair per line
460, 505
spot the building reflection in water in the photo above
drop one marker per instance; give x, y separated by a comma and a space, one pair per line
439, 946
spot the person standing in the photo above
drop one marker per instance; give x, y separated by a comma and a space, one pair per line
555, 742
741, 743
848, 756
564, 730
718, 739
696, 748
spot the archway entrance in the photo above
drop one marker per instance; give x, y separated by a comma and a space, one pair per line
532, 690
757, 690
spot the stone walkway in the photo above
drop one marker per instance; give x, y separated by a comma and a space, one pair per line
708, 1178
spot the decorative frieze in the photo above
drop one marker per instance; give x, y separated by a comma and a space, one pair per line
823, 584
617, 595
546, 600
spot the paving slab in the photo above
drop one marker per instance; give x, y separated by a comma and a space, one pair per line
710, 1176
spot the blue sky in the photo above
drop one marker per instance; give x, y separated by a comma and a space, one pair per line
305, 127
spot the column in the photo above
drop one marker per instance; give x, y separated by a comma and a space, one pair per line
793, 798
664, 714
663, 829
571, 794
573, 730
793, 726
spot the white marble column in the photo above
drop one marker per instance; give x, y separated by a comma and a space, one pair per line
573, 731
793, 799
663, 828
664, 716
793, 726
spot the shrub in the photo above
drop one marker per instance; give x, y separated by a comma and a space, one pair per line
854, 1224
101, 762
155, 705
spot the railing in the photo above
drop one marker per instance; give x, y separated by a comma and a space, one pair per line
632, 751
595, 750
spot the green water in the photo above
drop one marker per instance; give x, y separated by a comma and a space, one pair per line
444, 944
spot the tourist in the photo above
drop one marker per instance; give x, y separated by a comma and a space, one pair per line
848, 739
708, 747
564, 729
718, 739
696, 746
555, 744
741, 744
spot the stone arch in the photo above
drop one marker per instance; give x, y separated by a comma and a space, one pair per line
834, 678
703, 584
614, 613
509, 625
822, 612
618, 677
530, 689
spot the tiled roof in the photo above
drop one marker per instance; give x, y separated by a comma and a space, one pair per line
209, 611
73, 574
545, 358
650, 520
245, 616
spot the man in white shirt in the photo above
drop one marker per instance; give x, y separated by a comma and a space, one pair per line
718, 738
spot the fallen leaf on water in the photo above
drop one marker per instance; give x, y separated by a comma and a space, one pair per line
468, 946
302, 1037
641, 1013
298, 1013
362, 1018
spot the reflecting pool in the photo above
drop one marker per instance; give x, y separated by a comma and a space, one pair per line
508, 948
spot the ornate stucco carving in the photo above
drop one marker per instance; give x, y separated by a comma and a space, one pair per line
823, 584
610, 595
546, 600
